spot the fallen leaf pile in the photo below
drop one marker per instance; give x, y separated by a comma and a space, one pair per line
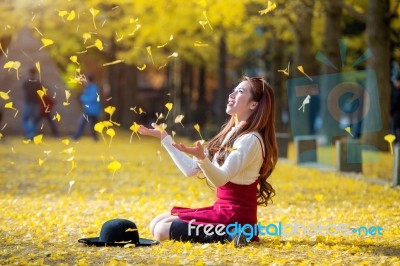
47, 204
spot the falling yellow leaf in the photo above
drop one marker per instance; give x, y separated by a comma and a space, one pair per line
286, 70
38, 139
94, 13
98, 44
178, 119
197, 128
135, 127
4, 95
71, 183
301, 69
41, 162
46, 42
67, 95
169, 107
65, 141
111, 133
110, 110
175, 54
9, 105
159, 116
26, 141
86, 36
142, 68
42, 93
270, 7
114, 166
62, 14
161, 127
74, 59
113, 62
99, 128
148, 48
348, 130
57, 117
390, 138
71, 15
208, 22
37, 64
13, 64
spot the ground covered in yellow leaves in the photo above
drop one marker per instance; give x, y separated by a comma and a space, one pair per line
54, 192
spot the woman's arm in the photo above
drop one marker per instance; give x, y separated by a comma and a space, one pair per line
244, 152
187, 165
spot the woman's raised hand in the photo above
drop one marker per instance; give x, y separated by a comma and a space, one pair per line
152, 132
197, 150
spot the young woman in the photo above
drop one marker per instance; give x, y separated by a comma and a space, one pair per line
238, 161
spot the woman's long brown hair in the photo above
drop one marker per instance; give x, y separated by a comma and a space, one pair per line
262, 120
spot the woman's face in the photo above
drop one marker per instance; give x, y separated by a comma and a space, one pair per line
240, 101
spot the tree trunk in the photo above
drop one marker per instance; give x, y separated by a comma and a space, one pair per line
330, 48
303, 124
222, 92
378, 33
277, 80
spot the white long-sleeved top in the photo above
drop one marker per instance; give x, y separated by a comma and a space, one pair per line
241, 166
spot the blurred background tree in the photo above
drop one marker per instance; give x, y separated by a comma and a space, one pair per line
145, 53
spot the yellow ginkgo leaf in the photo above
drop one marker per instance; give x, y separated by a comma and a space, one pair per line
141, 111
65, 141
71, 15
148, 48
390, 138
71, 183
197, 128
41, 161
114, 166
301, 69
348, 130
4, 95
38, 139
161, 127
169, 107
94, 13
110, 110
13, 64
57, 117
99, 44
135, 128
69, 151
111, 133
1, 49
178, 119
62, 13
46, 42
86, 36
9, 105
270, 7
74, 59
37, 64
175, 54
142, 67
67, 95
26, 141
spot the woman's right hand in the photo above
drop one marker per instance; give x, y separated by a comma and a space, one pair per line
152, 132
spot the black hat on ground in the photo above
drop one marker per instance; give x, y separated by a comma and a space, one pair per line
118, 232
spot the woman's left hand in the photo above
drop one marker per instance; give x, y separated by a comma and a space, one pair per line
197, 150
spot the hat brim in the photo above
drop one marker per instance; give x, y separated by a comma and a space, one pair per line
94, 241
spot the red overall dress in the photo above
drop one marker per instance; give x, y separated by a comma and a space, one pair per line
235, 203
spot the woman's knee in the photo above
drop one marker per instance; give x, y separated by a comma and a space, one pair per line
157, 219
161, 230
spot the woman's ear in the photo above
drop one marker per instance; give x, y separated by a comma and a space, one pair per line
253, 105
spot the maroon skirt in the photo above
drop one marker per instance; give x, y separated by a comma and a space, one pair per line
235, 203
